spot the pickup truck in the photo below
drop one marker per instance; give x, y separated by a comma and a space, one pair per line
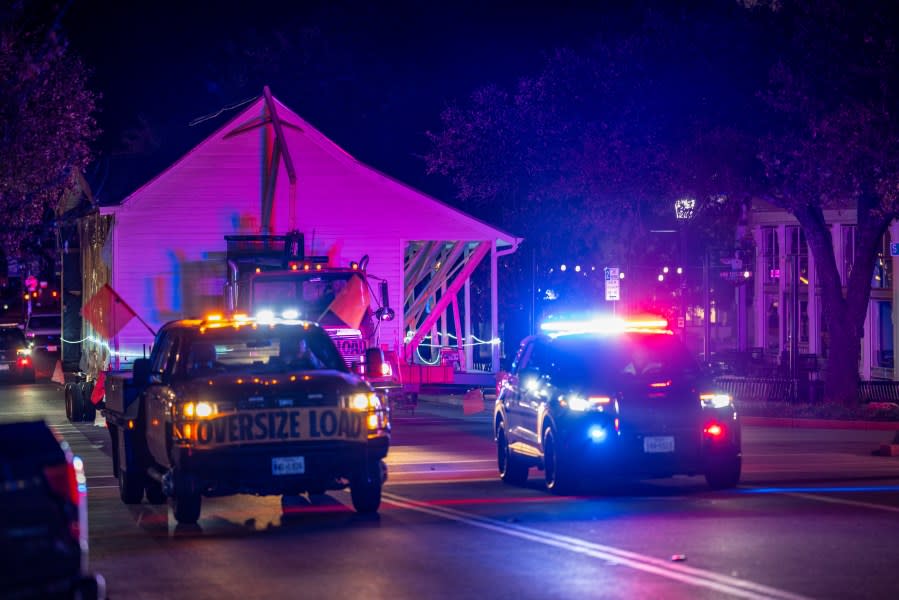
236, 406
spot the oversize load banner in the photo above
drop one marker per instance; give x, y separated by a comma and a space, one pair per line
285, 425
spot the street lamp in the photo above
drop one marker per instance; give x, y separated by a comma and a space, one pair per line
683, 210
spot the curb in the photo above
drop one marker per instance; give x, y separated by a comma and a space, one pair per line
819, 423
782, 422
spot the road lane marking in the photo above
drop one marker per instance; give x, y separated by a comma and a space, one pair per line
858, 503
689, 575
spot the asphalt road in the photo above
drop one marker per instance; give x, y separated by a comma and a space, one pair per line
816, 516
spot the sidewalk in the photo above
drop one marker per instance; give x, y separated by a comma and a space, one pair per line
472, 406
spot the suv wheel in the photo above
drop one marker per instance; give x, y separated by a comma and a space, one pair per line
556, 467
365, 489
511, 468
723, 474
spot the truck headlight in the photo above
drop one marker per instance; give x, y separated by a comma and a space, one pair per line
715, 400
364, 401
199, 410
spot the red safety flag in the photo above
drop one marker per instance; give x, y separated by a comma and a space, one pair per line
352, 302
107, 312
99, 390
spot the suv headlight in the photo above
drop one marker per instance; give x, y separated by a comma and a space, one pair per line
579, 403
715, 400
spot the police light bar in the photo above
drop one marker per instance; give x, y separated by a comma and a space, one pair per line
607, 325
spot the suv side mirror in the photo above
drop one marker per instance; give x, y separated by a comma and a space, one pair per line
140, 372
374, 362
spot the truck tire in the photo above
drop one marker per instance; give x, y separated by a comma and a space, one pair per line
187, 501
88, 411
365, 489
131, 485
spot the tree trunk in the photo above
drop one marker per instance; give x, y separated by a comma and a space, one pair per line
843, 314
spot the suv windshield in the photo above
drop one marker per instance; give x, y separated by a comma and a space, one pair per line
592, 360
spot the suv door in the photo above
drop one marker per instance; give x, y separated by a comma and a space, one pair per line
512, 390
535, 390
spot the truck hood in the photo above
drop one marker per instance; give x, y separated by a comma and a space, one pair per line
253, 390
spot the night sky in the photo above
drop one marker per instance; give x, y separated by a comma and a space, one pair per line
373, 77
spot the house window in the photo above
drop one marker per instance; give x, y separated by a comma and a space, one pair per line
885, 334
772, 325
848, 251
798, 246
883, 265
771, 250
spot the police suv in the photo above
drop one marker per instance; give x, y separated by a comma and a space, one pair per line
227, 406
594, 399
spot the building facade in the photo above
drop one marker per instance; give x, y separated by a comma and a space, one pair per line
786, 298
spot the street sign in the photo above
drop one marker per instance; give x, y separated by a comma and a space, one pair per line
894, 248
613, 283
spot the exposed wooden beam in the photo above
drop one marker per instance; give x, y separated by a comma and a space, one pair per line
453, 289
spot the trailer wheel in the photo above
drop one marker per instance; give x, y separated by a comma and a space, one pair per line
88, 410
74, 403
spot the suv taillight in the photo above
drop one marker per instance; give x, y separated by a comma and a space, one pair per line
68, 482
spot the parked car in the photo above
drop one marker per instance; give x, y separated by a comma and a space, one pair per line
43, 517
44, 331
16, 362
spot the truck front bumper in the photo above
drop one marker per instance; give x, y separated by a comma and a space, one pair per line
266, 469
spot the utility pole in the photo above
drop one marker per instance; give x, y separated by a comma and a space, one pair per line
707, 302
794, 325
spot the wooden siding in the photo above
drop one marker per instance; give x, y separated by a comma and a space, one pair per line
169, 235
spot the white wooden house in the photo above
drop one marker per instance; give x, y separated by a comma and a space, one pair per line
165, 247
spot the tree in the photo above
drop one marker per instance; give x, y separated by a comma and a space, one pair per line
46, 123
586, 157
833, 142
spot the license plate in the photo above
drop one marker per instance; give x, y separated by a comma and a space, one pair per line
288, 465
4, 367
52, 348
658, 444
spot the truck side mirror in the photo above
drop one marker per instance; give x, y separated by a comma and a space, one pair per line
374, 362
385, 313
140, 372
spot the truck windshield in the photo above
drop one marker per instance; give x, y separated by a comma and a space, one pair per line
310, 294
263, 350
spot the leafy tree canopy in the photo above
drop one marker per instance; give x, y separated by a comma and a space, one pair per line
46, 121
